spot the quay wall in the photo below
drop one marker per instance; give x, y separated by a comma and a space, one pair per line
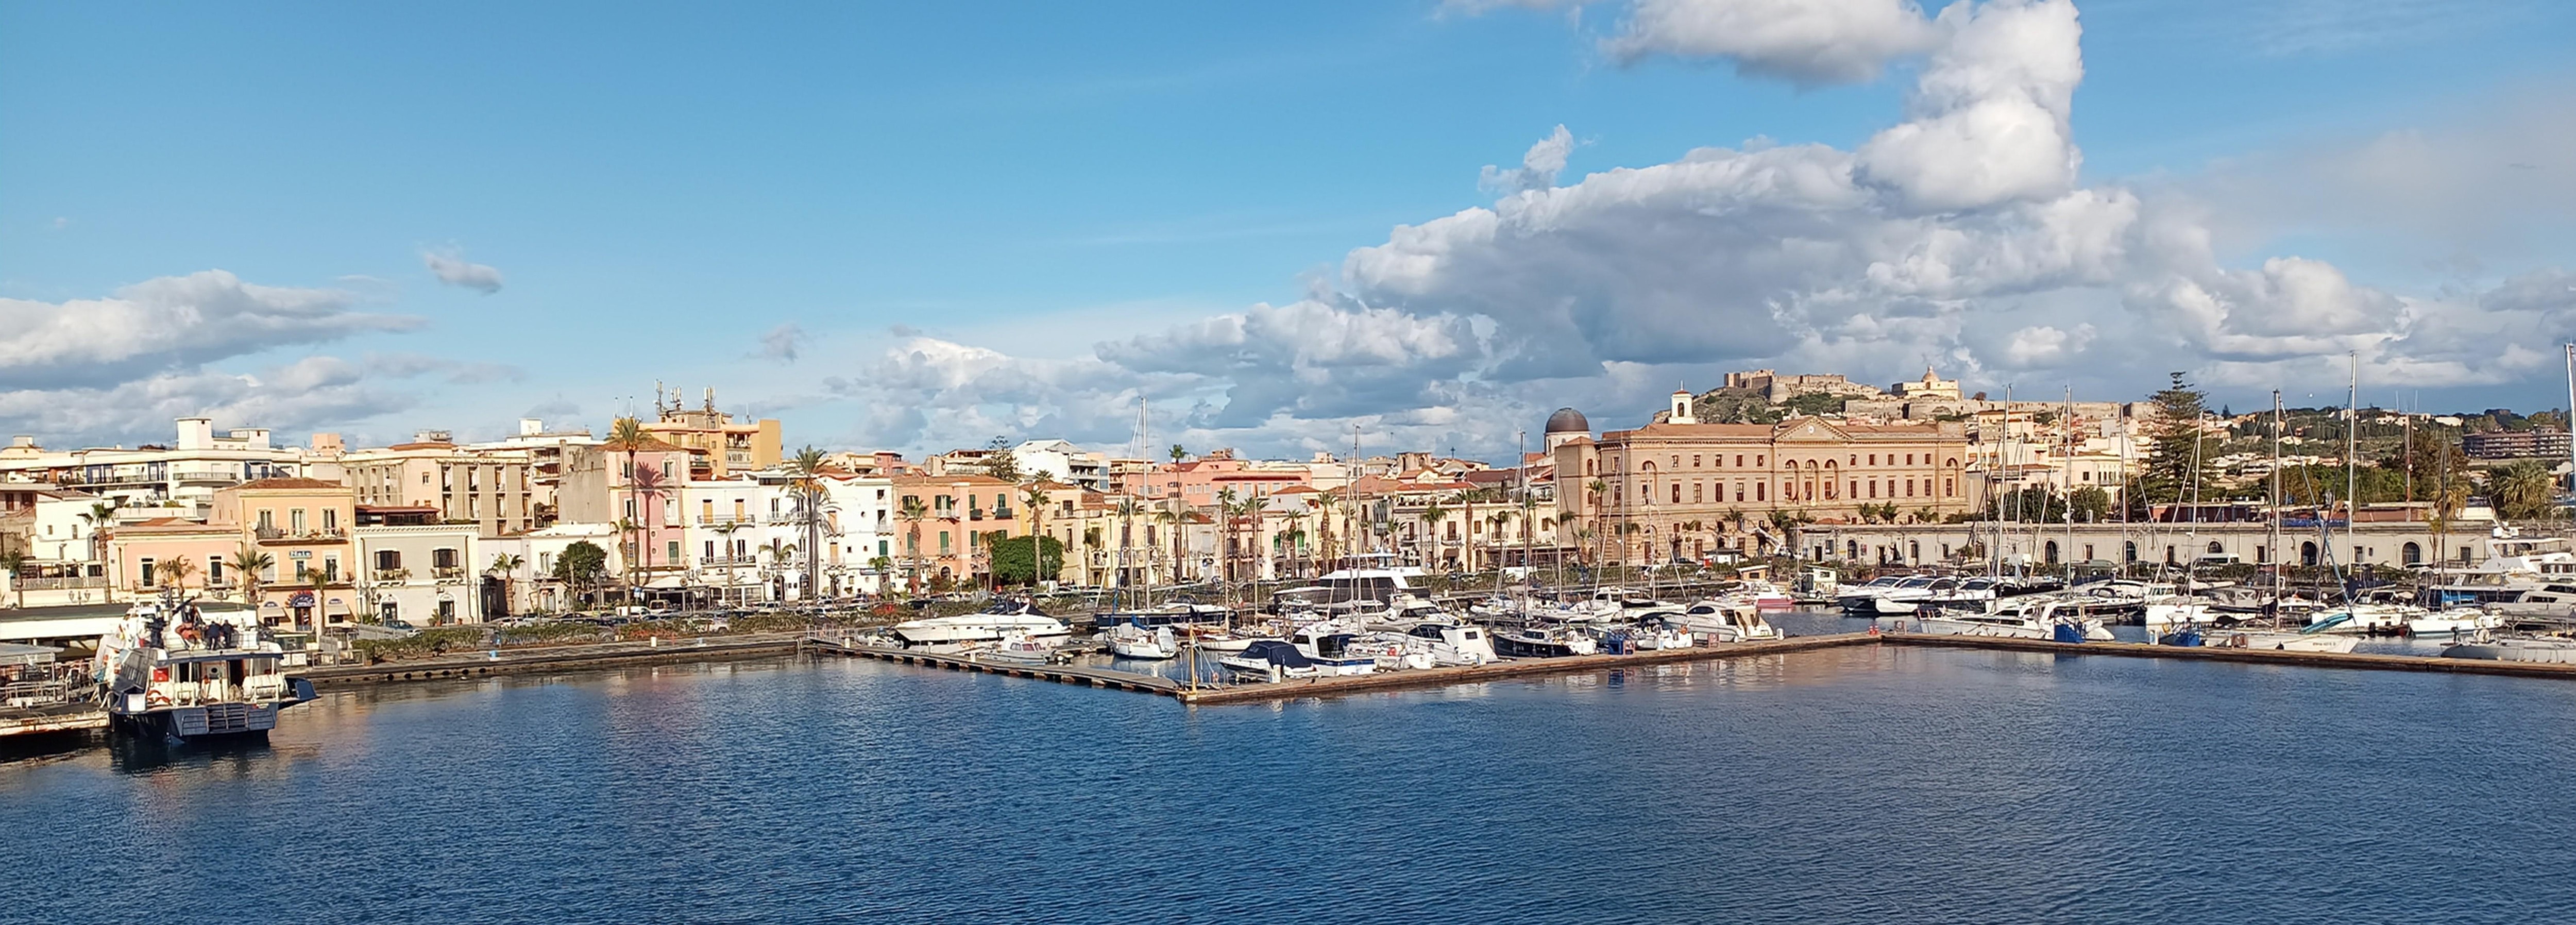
551, 658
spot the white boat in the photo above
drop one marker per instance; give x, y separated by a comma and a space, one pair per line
1127, 641
1454, 644
2454, 623
2550, 649
1728, 621
2034, 617
1327, 645
2368, 619
1270, 660
1018, 650
992, 625
2315, 637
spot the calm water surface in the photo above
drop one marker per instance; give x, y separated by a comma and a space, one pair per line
1867, 784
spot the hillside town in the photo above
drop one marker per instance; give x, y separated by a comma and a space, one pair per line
693, 507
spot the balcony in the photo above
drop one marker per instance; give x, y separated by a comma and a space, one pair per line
61, 584
277, 535
975, 513
447, 572
225, 476
728, 561
393, 574
746, 520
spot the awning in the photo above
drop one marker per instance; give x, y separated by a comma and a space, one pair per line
338, 607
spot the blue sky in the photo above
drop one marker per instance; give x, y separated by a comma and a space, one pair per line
658, 187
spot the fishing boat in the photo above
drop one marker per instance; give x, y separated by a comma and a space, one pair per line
1126, 641
1728, 621
175, 671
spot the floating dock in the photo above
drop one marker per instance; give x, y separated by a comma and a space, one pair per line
1219, 694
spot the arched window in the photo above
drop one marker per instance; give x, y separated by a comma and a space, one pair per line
1851, 549
2308, 553
2049, 552
2411, 554
2129, 552
2215, 549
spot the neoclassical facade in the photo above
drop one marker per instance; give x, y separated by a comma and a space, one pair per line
1680, 489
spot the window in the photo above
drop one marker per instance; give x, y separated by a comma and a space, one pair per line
266, 522
295, 518
706, 509
424, 477
147, 573
1758, 488
442, 558
214, 570
1698, 493
1739, 491
710, 549
630, 509
2215, 549
1854, 489
1873, 488
943, 540
1677, 493
1694, 460
1873, 459
1909, 488
1757, 459
330, 518
388, 559
1950, 487
671, 550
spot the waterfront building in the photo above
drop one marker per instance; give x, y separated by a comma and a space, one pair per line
945, 521
302, 525
635, 487
421, 571
2370, 541
493, 489
544, 450
65, 541
1676, 488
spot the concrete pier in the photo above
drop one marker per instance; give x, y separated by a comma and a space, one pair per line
552, 658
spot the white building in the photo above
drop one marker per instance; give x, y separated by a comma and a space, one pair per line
426, 575
178, 480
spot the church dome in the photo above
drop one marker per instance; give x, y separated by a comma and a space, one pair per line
1568, 421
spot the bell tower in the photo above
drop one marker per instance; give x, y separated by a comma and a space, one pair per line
1682, 408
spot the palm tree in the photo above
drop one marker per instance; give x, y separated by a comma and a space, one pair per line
628, 434
10, 563
911, 512
1127, 510
1035, 498
1432, 515
807, 468
1172, 522
101, 518
321, 584
2521, 490
508, 565
884, 567
727, 530
175, 572
249, 563
781, 552
646, 486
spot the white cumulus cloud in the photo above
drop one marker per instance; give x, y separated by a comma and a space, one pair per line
451, 268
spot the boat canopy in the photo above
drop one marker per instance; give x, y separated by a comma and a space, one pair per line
1276, 653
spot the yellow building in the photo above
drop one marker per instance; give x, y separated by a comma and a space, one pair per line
1678, 489
718, 445
302, 525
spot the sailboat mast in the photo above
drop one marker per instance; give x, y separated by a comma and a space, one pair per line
2571, 413
2066, 478
2275, 556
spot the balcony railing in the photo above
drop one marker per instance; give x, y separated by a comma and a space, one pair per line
61, 584
393, 574
290, 536
726, 521
447, 571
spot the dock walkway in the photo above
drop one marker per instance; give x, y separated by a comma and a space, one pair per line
1061, 674
552, 658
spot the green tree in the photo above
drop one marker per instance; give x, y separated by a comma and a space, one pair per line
805, 471
1000, 464
1014, 563
10, 562
1035, 499
912, 512
583, 564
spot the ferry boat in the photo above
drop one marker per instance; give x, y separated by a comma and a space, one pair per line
175, 671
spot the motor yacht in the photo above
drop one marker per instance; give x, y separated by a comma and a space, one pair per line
175, 671
990, 625
1127, 641
1726, 620
1545, 642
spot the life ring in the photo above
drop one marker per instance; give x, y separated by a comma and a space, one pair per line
156, 697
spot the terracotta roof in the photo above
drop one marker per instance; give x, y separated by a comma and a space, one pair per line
290, 483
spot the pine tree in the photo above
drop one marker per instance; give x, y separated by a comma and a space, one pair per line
2178, 451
